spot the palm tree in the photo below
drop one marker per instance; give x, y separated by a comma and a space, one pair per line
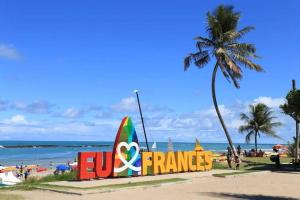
259, 120
292, 108
223, 45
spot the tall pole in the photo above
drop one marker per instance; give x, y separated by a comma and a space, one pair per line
142, 119
297, 129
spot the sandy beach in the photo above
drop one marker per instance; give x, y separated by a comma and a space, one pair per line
261, 185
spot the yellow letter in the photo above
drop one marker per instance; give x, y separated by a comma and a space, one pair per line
182, 161
158, 163
146, 162
192, 161
208, 160
171, 164
200, 161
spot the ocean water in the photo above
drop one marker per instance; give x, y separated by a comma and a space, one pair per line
59, 152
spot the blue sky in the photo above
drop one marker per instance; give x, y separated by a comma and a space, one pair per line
68, 68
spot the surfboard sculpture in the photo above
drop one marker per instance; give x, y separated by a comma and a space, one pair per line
127, 159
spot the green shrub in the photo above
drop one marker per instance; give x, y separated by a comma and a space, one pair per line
67, 176
218, 165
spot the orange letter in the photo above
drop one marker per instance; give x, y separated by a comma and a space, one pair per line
158, 163
208, 160
200, 161
171, 164
182, 161
192, 161
146, 162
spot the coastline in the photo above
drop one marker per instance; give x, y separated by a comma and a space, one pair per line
43, 153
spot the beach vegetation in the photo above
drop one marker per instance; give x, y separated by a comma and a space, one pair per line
259, 120
292, 108
223, 44
255, 163
265, 160
292, 148
219, 165
67, 176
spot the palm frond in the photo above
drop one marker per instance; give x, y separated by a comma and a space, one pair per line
248, 63
246, 128
203, 39
187, 61
234, 77
242, 49
245, 117
249, 136
233, 35
230, 75
199, 59
232, 65
226, 61
201, 45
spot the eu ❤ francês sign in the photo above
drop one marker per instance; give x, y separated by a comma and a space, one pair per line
126, 159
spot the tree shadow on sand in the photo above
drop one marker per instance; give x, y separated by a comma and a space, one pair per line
244, 196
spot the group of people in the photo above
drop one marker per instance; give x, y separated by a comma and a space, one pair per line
253, 153
22, 171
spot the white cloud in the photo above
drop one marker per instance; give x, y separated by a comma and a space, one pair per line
160, 123
9, 52
205, 122
73, 113
36, 107
16, 120
17, 127
128, 104
223, 110
269, 101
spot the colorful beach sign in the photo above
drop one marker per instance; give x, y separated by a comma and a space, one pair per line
127, 160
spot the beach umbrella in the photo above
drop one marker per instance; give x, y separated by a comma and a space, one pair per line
285, 148
62, 168
277, 146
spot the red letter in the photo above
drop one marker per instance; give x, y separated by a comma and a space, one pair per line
86, 169
103, 164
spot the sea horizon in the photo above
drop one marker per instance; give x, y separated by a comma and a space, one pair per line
43, 153
149, 141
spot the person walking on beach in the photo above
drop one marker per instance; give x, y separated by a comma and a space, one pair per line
229, 156
21, 170
239, 150
237, 161
26, 174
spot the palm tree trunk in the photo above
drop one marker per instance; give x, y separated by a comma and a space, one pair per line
213, 89
255, 143
297, 141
